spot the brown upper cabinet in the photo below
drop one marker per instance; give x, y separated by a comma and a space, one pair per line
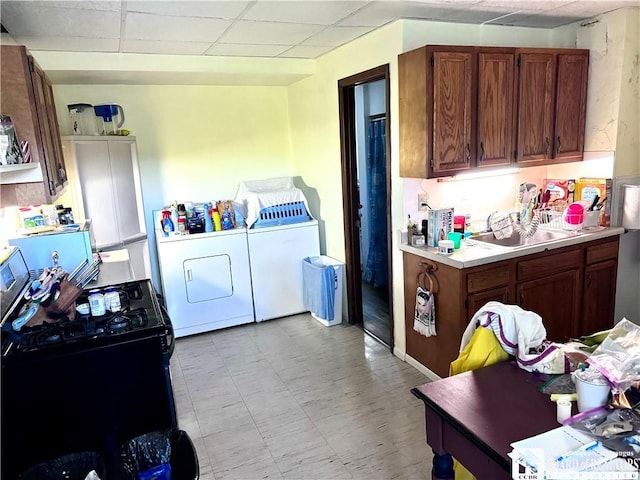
27, 97
552, 99
463, 108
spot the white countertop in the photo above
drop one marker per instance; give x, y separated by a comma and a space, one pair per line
473, 253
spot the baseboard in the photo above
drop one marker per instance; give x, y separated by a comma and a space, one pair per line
421, 368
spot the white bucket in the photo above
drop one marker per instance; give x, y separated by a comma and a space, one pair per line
592, 389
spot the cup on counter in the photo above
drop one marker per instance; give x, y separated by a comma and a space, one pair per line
456, 238
592, 388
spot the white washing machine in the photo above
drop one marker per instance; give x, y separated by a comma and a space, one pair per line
276, 255
206, 280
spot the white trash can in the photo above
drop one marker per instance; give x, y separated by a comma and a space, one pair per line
321, 288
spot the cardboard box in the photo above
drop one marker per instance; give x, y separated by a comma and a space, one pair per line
559, 190
588, 188
440, 224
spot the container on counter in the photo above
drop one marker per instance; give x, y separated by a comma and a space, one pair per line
112, 299
96, 303
445, 247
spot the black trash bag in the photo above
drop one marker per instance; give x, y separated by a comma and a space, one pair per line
160, 455
75, 466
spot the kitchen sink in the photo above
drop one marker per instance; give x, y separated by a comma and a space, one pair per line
515, 241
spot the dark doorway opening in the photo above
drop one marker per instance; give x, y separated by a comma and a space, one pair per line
366, 184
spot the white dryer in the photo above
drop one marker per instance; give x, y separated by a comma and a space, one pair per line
206, 280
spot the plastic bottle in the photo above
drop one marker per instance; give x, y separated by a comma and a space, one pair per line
167, 224
208, 221
217, 222
112, 299
182, 225
174, 214
96, 303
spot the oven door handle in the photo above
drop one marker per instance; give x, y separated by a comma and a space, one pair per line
171, 338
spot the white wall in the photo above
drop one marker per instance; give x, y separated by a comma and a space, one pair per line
195, 143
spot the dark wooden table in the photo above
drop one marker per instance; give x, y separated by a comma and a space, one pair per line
475, 416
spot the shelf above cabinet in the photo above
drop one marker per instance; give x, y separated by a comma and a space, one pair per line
20, 173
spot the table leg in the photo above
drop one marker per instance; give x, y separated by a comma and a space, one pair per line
442, 467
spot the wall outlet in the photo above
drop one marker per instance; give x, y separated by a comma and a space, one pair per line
423, 200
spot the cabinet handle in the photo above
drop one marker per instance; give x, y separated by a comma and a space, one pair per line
558, 145
468, 150
589, 280
521, 297
546, 145
189, 276
481, 151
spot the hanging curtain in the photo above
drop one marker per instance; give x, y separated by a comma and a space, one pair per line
376, 270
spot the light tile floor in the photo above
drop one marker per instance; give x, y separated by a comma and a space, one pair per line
292, 399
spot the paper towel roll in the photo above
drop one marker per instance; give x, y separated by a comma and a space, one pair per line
631, 207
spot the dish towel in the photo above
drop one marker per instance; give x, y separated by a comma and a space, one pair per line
425, 315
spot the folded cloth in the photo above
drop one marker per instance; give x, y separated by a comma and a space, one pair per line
425, 313
522, 334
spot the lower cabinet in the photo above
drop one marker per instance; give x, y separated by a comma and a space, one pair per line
571, 288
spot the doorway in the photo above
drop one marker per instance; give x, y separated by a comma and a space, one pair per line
366, 184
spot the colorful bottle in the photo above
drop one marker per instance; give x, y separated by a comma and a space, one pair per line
182, 225
167, 224
174, 214
208, 221
217, 223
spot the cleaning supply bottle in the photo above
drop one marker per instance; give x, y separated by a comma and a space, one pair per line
217, 222
167, 224
208, 221
174, 214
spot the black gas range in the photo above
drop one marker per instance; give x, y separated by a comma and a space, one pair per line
140, 316
86, 384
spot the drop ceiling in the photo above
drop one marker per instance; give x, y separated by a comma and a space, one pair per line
264, 28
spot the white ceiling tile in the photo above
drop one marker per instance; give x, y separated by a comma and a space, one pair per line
69, 44
190, 8
540, 21
475, 16
303, 51
245, 31
143, 26
33, 20
592, 8
105, 5
164, 48
380, 13
520, 5
237, 50
336, 36
310, 12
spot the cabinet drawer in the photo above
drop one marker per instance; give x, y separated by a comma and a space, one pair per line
603, 251
546, 264
486, 279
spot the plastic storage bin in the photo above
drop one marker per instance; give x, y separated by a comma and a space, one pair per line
322, 284
283, 214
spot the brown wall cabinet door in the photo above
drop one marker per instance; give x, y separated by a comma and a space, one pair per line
571, 101
478, 300
495, 108
453, 111
535, 106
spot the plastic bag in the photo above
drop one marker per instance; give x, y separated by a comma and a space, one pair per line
617, 429
159, 455
75, 466
146, 452
618, 356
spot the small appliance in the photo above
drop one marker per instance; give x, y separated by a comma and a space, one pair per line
111, 116
83, 119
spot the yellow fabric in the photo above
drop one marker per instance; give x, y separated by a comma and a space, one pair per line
482, 350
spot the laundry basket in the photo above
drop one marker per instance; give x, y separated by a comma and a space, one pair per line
322, 284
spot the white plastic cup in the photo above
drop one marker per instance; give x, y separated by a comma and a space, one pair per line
563, 410
593, 392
